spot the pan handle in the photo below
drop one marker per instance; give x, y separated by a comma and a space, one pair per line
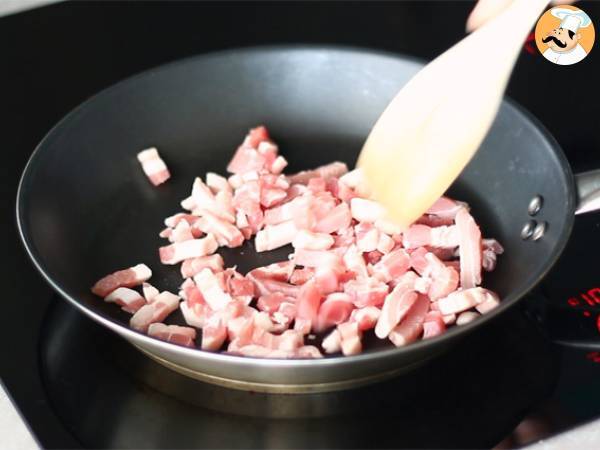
588, 191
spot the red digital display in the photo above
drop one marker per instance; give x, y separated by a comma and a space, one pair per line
588, 299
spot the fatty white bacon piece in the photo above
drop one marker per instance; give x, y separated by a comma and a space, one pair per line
129, 300
327, 279
336, 309
445, 208
173, 221
153, 166
365, 210
411, 327
335, 169
444, 279
470, 250
308, 303
367, 237
312, 241
319, 258
463, 300
213, 293
422, 235
191, 267
275, 236
466, 317
433, 325
301, 276
350, 337
150, 292
214, 334
224, 232
220, 205
366, 317
131, 277
217, 183
392, 265
396, 306
182, 232
285, 212
173, 333
386, 244
339, 218
332, 343
177, 252
366, 291
355, 262
157, 311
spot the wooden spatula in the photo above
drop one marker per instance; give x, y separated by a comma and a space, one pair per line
435, 124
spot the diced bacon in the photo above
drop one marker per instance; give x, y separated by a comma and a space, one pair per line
444, 279
241, 287
272, 197
466, 317
392, 265
332, 343
312, 241
256, 135
174, 220
235, 181
491, 248
195, 315
396, 306
318, 258
173, 333
270, 303
202, 196
356, 180
191, 267
133, 276
191, 293
301, 276
412, 325
153, 166
309, 300
247, 197
316, 185
150, 292
366, 291
213, 293
388, 227
365, 210
334, 310
326, 279
217, 183
224, 232
339, 218
366, 317
423, 284
214, 334
434, 221
195, 248
246, 159
334, 169
434, 325
355, 262
182, 232
350, 337
275, 236
265, 286
367, 237
386, 244
302, 325
188, 203
465, 299
373, 258
470, 250
421, 235
284, 212
129, 300
445, 207
418, 261
491, 302
345, 237
308, 351
166, 233
225, 208
278, 164
285, 313
157, 311
449, 319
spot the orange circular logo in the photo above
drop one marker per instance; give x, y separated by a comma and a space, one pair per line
565, 35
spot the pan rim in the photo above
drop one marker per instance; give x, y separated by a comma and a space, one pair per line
337, 360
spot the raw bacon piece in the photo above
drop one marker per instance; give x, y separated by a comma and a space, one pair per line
270, 303
129, 300
301, 276
173, 221
163, 305
421, 235
275, 236
284, 212
175, 253
326, 280
214, 334
355, 262
195, 315
280, 271
181, 232
366, 291
367, 237
335, 169
444, 280
278, 164
412, 325
153, 166
491, 248
460, 301
470, 250
445, 208
191, 267
309, 300
224, 232
388, 227
336, 309
366, 317
392, 265
365, 210
386, 244
213, 293
246, 159
491, 302
466, 317
308, 351
312, 241
217, 183
339, 218
173, 333
318, 258
150, 292
396, 306
434, 325
373, 258
418, 262
332, 343
134, 276
350, 337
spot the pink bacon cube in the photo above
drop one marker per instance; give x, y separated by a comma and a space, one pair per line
191, 267
153, 166
173, 333
129, 300
470, 250
336, 309
177, 252
157, 311
134, 276
411, 327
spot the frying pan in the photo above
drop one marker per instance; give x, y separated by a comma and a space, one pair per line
85, 209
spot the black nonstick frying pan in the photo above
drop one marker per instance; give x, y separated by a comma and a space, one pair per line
85, 208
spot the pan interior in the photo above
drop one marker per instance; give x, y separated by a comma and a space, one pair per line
86, 209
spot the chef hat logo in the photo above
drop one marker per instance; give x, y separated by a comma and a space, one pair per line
565, 35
